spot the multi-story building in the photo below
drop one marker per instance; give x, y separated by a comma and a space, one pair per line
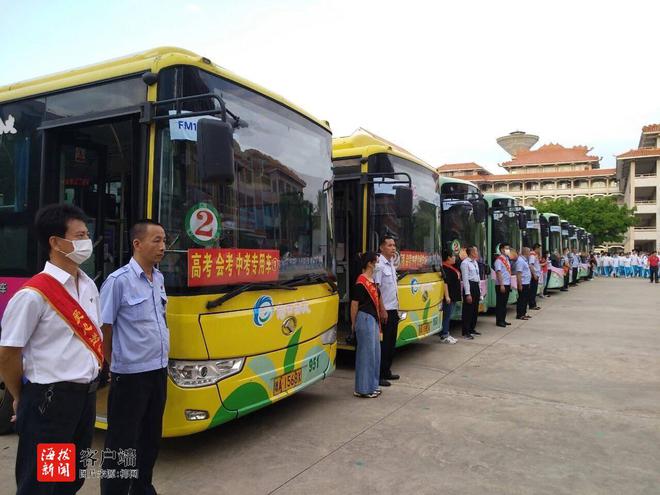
549, 172
637, 171
460, 169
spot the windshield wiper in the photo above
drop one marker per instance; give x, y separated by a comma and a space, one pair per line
244, 288
313, 277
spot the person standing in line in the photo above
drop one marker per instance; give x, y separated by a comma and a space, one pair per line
607, 265
592, 265
575, 265
452, 277
644, 262
627, 266
566, 265
545, 275
137, 343
51, 350
535, 267
634, 263
365, 307
471, 292
599, 265
653, 267
502, 268
387, 281
523, 280
616, 262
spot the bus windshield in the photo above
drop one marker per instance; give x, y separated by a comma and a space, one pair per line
460, 227
555, 235
417, 235
273, 219
506, 228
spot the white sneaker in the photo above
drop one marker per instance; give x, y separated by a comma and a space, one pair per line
448, 340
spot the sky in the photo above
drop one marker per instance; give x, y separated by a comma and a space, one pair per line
441, 79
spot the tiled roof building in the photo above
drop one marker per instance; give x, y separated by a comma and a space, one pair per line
637, 171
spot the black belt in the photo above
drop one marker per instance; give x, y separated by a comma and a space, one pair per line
89, 388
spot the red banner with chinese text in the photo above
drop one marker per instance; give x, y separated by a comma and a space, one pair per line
232, 266
413, 260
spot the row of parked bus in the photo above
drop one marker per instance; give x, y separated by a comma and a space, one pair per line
265, 214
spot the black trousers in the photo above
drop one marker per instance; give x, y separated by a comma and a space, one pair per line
470, 311
533, 289
68, 417
547, 281
654, 273
388, 344
135, 421
502, 299
566, 280
523, 300
575, 275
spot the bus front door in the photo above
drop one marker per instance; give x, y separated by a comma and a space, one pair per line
92, 166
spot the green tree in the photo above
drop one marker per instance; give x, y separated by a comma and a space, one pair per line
602, 217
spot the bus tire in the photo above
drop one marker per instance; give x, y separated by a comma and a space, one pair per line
6, 410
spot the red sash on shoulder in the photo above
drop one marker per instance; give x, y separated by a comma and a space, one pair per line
452, 267
372, 291
505, 262
69, 310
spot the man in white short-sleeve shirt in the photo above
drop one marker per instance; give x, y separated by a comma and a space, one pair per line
51, 349
387, 281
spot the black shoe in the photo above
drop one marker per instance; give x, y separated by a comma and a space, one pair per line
474, 332
468, 337
384, 383
393, 377
537, 308
563, 290
503, 325
507, 323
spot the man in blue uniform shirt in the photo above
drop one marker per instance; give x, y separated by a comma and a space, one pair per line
136, 340
523, 280
502, 268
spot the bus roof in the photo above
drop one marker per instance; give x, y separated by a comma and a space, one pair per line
363, 143
492, 196
150, 60
550, 215
529, 208
447, 180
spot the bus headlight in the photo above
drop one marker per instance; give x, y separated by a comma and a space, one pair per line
329, 336
402, 315
190, 374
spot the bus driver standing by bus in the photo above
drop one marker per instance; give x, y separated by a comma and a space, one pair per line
387, 281
137, 345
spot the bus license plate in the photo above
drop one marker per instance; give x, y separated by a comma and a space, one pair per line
287, 381
424, 329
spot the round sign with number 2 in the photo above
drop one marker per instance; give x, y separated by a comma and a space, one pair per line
203, 224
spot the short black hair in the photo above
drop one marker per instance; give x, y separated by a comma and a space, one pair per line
386, 238
447, 253
52, 220
504, 245
140, 227
537, 245
366, 258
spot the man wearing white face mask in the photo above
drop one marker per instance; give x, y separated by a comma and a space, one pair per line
51, 349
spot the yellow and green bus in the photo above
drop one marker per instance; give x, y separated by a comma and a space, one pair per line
552, 248
379, 189
463, 220
506, 221
239, 178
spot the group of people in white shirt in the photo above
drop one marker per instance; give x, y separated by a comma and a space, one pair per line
623, 265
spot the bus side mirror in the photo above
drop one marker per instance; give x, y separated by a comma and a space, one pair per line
479, 211
215, 151
404, 201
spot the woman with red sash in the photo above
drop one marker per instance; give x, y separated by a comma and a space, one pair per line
452, 278
366, 325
